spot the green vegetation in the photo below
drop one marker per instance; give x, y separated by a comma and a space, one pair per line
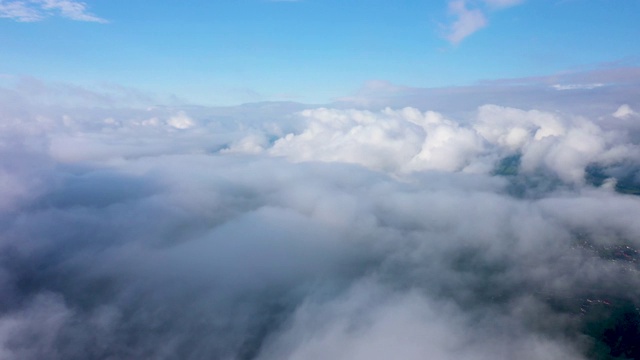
627, 184
508, 166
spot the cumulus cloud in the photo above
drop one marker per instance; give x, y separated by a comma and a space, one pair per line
37, 10
277, 232
407, 140
624, 111
180, 121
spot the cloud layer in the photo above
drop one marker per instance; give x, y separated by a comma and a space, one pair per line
407, 140
265, 232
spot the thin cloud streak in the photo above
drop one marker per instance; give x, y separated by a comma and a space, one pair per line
503, 3
38, 10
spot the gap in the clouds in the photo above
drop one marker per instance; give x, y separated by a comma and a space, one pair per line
529, 185
627, 177
615, 328
99, 189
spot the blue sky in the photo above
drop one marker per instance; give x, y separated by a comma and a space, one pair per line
314, 51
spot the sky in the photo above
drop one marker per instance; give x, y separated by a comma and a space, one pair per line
310, 51
311, 180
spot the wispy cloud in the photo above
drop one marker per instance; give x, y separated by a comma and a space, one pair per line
469, 20
562, 87
502, 3
37, 10
594, 93
20, 11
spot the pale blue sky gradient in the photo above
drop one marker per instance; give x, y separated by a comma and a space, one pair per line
314, 51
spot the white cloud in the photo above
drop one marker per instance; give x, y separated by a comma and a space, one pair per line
470, 20
624, 112
370, 322
561, 87
326, 234
467, 22
71, 9
181, 121
20, 11
502, 3
250, 144
407, 141
37, 10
